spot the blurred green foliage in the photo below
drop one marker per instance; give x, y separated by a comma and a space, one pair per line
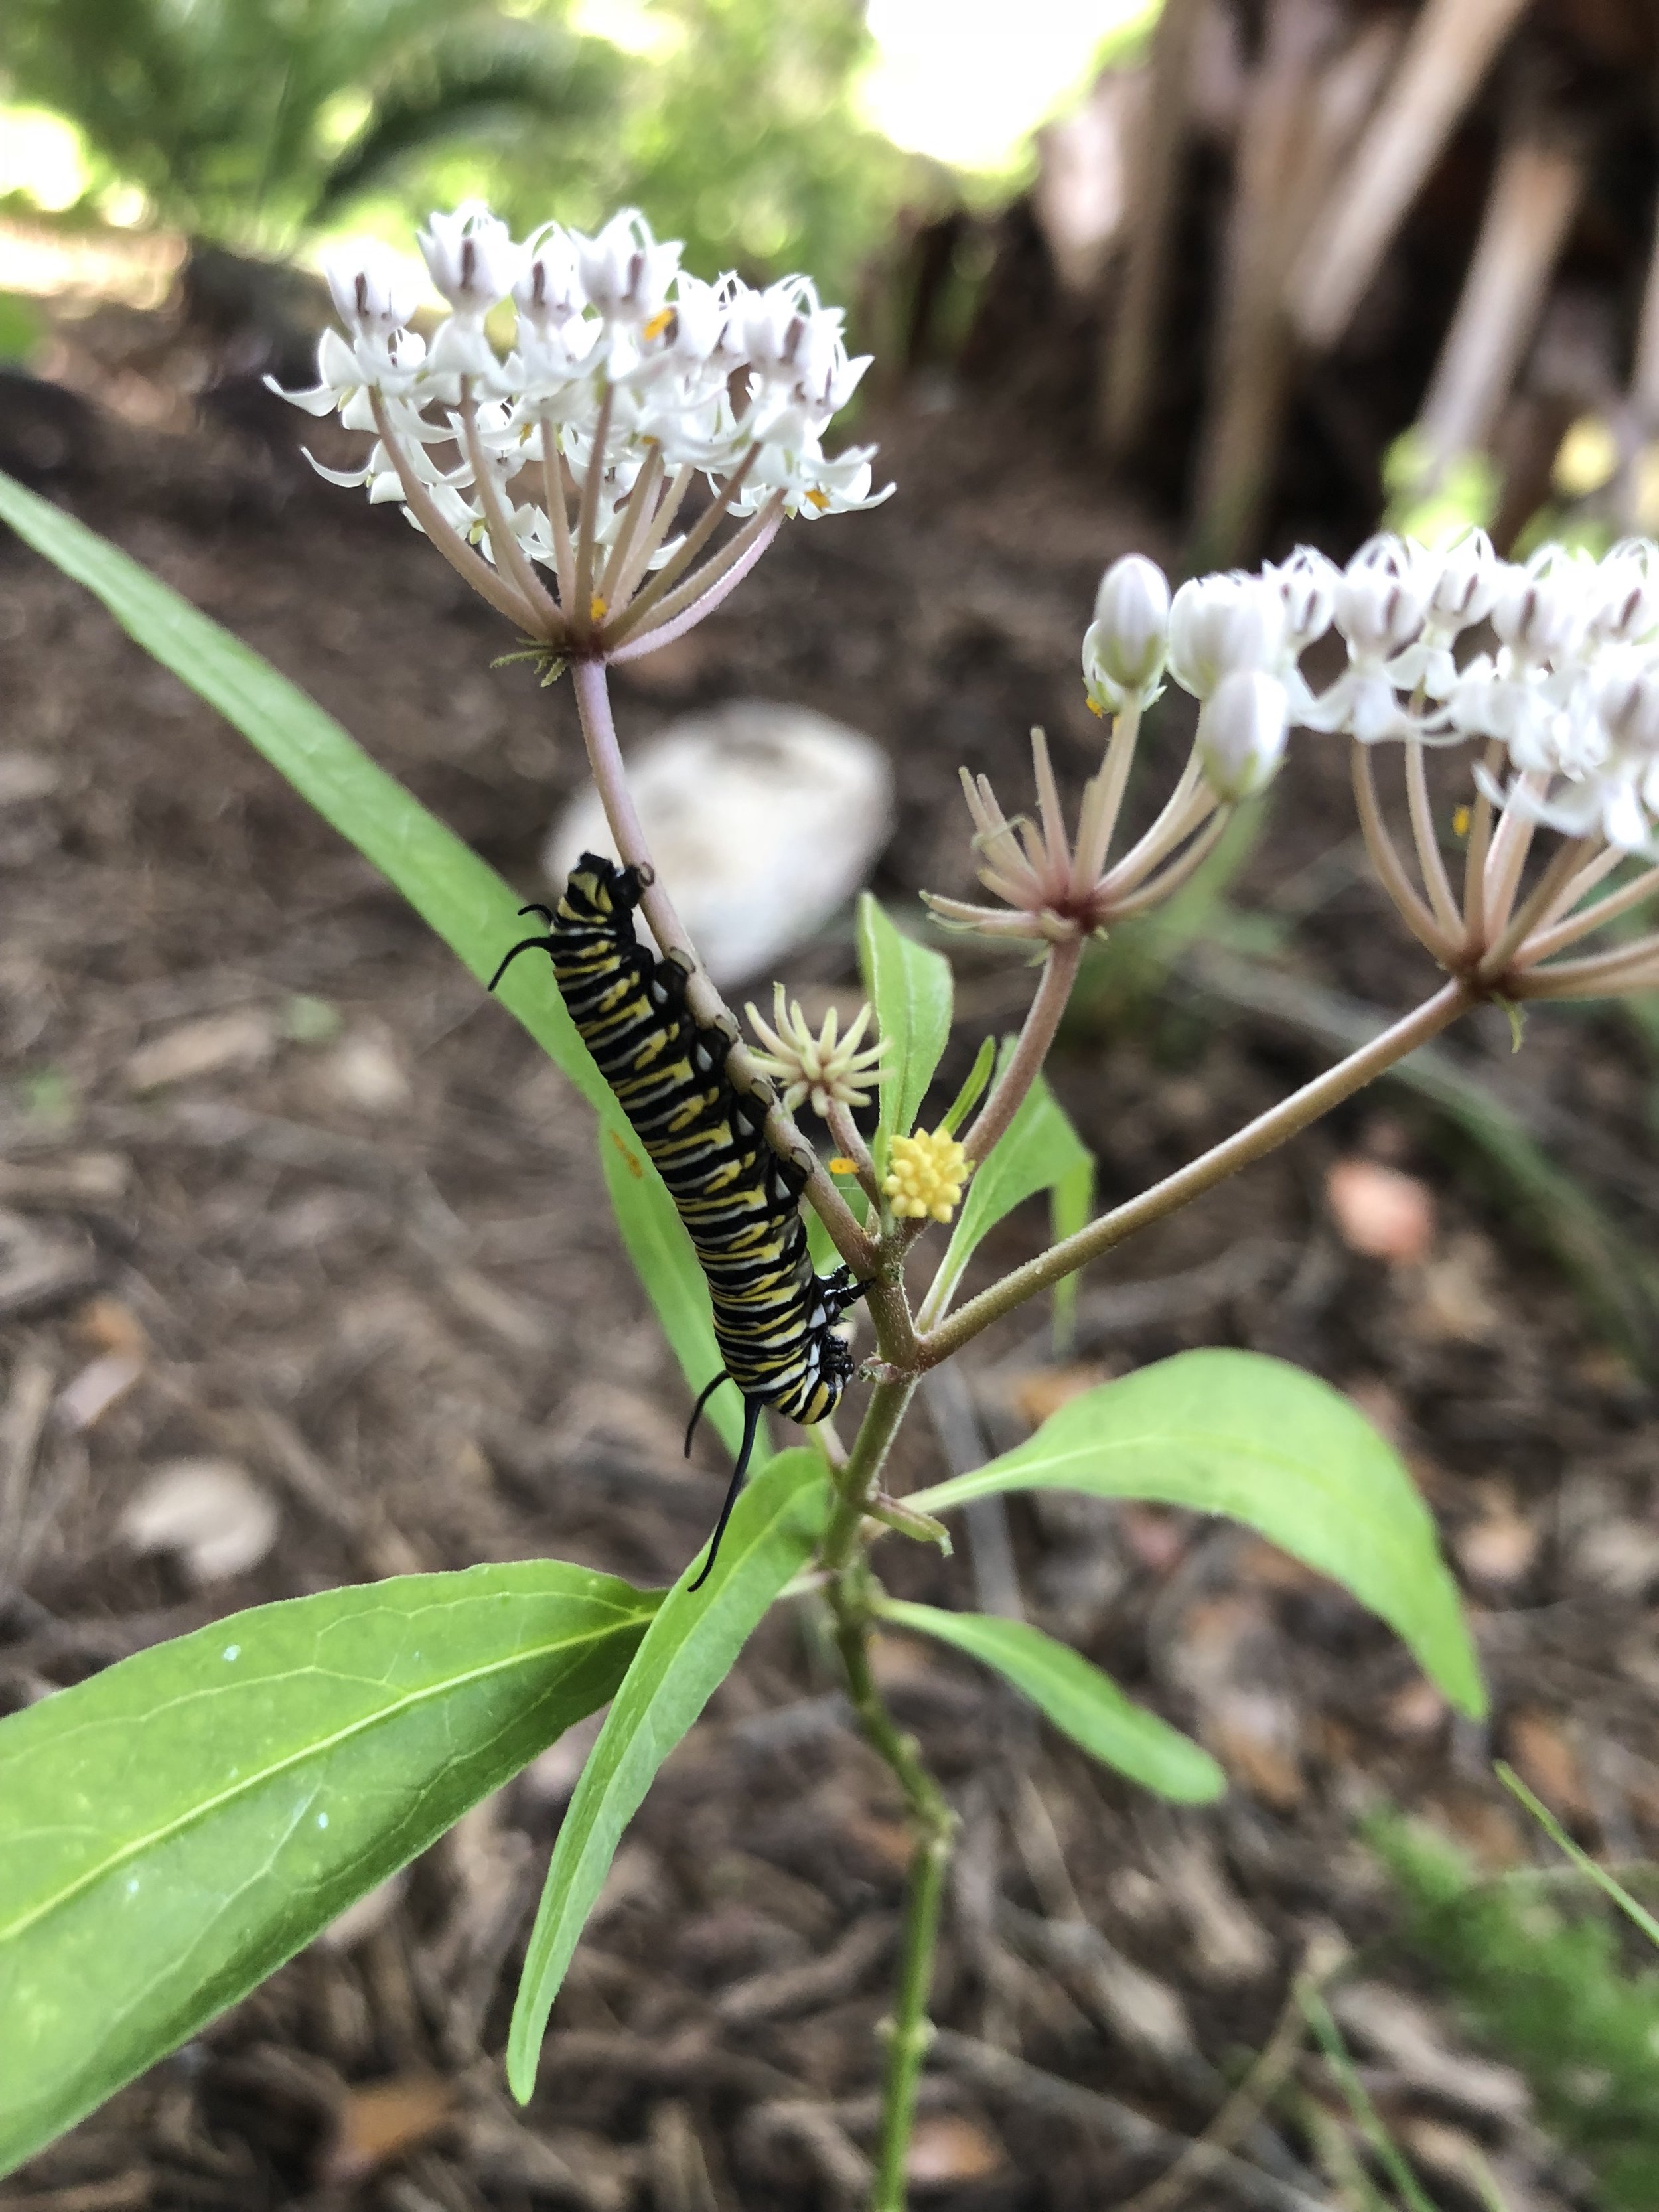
1546, 1991
254, 123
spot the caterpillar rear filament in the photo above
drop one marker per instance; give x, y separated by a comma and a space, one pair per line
775, 1317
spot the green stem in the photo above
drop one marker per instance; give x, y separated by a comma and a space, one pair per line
933, 1827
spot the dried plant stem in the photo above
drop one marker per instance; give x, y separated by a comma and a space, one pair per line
1042, 1019
1245, 1146
471, 567
611, 780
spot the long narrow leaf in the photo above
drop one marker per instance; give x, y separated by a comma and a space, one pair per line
1083, 1703
909, 986
1071, 1203
691, 1648
173, 1829
1235, 1433
465, 902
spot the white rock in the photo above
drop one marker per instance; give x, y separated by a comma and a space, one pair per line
762, 820
210, 1511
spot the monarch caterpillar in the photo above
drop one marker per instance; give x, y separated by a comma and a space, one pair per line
775, 1317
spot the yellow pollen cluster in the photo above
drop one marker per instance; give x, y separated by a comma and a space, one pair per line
926, 1174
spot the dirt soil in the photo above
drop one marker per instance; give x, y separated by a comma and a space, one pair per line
280, 1190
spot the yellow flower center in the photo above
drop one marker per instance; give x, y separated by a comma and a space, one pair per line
925, 1174
659, 323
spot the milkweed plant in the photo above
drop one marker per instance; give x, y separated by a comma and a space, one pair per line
603, 446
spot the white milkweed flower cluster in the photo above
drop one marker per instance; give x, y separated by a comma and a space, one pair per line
618, 378
1569, 689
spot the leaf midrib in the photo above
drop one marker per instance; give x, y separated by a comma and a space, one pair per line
159, 1835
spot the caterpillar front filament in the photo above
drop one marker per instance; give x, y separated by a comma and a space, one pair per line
775, 1318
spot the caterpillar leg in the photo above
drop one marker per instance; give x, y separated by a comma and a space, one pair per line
752, 1410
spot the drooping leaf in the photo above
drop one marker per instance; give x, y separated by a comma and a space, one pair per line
1083, 1703
691, 1646
465, 901
174, 1829
1038, 1150
909, 986
1235, 1432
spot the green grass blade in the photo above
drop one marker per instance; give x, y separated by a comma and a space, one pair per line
691, 1648
173, 1829
1082, 1703
909, 986
1638, 1914
1070, 1205
1235, 1432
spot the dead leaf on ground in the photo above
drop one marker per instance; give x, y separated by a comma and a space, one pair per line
381, 2120
101, 1385
1500, 1549
1044, 1390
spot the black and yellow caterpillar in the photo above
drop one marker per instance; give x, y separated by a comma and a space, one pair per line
775, 1317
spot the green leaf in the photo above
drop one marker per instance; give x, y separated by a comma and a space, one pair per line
690, 1649
666, 1263
1082, 1703
1039, 1149
1071, 1204
173, 1829
972, 1088
1235, 1433
909, 986
465, 902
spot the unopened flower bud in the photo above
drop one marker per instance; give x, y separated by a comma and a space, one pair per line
1222, 625
1241, 730
926, 1175
470, 256
547, 292
1468, 584
1124, 647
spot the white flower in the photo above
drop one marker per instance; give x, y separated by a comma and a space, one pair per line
472, 257
1242, 731
1124, 646
1382, 598
625, 271
1624, 599
1540, 611
369, 287
1307, 584
1223, 623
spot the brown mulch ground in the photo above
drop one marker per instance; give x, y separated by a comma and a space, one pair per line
261, 1140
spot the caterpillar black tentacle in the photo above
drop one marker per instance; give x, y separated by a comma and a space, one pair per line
776, 1319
